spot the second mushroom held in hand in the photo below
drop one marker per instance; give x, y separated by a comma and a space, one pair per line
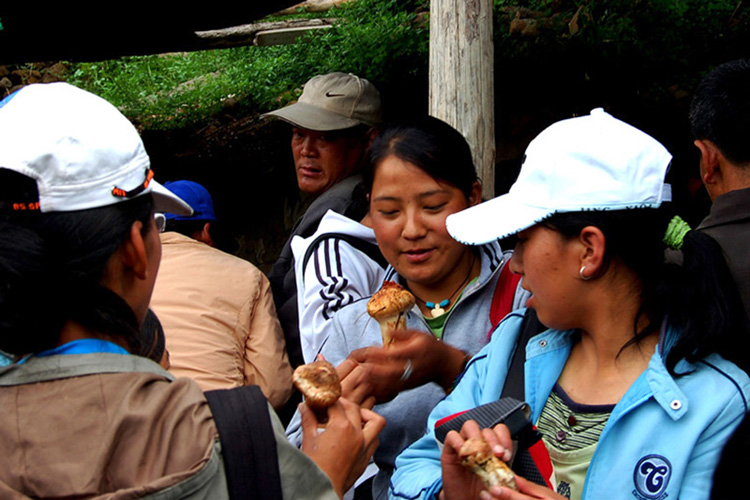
320, 385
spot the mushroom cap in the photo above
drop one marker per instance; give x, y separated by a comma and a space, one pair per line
318, 382
391, 300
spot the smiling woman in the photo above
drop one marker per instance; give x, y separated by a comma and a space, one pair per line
408, 211
418, 174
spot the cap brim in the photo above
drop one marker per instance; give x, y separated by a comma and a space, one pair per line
492, 220
304, 115
166, 201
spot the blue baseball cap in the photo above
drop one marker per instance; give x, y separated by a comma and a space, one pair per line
196, 196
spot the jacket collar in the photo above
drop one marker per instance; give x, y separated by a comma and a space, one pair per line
730, 207
76, 365
655, 381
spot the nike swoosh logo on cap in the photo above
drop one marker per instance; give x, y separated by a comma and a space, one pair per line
328, 94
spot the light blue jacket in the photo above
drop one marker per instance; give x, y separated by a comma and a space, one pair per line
663, 439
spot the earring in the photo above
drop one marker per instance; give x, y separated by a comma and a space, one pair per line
583, 276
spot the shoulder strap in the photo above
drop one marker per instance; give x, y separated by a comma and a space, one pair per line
532, 460
369, 249
505, 292
248, 444
514, 381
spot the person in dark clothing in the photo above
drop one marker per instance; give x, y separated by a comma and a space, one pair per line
333, 124
720, 121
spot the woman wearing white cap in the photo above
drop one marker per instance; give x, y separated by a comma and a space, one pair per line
636, 386
84, 415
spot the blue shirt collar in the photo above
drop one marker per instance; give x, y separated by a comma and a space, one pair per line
82, 346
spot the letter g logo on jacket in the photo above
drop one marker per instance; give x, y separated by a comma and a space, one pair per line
651, 476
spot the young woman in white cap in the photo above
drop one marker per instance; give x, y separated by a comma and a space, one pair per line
84, 415
636, 386
419, 174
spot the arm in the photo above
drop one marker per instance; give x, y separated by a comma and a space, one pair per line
699, 474
418, 469
265, 360
336, 275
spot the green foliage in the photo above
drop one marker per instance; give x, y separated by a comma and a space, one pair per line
172, 90
661, 37
643, 46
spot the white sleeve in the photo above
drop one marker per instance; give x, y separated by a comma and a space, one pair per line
336, 275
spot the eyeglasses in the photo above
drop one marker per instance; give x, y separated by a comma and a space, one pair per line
161, 221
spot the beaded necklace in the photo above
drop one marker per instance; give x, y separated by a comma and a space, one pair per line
437, 310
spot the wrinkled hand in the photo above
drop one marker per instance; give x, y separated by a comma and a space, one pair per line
431, 361
345, 447
458, 482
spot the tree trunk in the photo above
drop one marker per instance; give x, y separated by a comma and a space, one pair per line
462, 77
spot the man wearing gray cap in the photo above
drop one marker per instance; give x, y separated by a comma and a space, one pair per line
333, 124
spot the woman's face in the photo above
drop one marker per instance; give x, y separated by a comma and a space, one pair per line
408, 208
549, 264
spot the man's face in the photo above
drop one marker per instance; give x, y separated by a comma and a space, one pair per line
322, 159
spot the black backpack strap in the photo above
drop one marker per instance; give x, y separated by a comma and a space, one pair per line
248, 443
523, 463
367, 248
514, 382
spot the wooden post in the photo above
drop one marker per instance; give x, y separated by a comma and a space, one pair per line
462, 77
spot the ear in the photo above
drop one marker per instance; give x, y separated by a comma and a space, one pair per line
134, 252
475, 197
370, 136
710, 156
206, 234
593, 247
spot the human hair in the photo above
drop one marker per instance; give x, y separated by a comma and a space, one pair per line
720, 110
185, 227
697, 297
153, 343
430, 144
51, 265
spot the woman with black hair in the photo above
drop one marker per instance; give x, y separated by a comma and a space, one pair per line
418, 174
84, 413
639, 381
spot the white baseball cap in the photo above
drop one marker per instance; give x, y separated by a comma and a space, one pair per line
81, 151
593, 162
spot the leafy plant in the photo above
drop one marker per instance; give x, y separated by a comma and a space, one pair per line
372, 38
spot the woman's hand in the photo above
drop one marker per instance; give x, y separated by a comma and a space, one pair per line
345, 447
414, 359
355, 383
458, 482
528, 491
